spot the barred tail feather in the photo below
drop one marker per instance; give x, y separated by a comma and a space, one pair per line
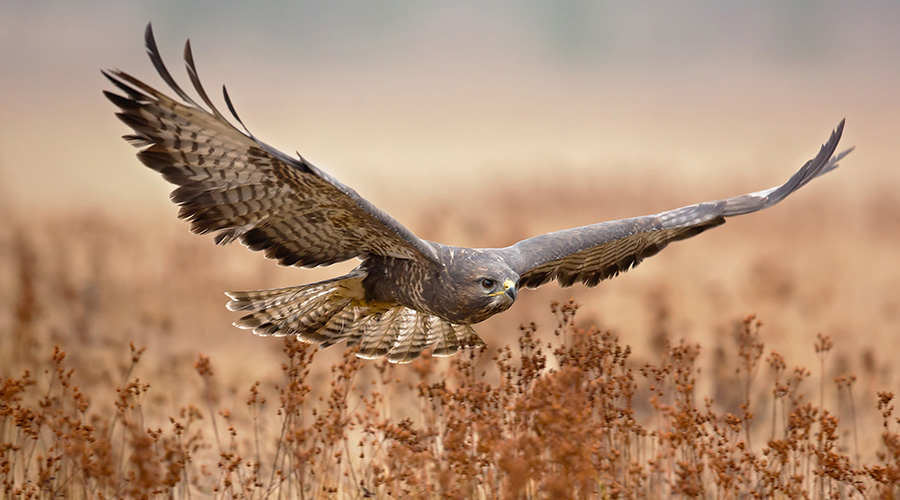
453, 337
333, 311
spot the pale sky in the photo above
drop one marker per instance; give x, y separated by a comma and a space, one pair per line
387, 95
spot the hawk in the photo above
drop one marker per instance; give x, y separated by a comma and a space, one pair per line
407, 294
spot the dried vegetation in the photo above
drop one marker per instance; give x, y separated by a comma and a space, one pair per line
116, 381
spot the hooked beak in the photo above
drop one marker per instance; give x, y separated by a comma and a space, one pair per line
509, 286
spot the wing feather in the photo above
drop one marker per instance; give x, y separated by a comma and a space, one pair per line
233, 185
593, 253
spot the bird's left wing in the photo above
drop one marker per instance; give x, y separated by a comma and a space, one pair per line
590, 254
238, 187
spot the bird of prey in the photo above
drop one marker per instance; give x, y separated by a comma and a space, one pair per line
407, 294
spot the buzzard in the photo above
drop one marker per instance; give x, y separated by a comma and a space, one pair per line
407, 294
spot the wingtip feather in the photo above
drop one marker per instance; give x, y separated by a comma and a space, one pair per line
195, 80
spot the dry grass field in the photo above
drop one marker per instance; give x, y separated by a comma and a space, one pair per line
757, 360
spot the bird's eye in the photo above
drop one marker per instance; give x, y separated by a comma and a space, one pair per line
487, 283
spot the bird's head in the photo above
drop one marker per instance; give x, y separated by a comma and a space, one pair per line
483, 284
489, 292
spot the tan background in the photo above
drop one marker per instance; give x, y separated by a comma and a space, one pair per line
476, 124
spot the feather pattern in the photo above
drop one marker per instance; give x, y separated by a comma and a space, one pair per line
333, 311
233, 185
593, 253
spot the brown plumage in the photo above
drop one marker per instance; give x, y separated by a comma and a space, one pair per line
407, 294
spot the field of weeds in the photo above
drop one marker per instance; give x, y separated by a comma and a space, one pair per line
757, 360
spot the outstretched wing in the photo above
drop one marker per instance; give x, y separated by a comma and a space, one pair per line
233, 185
590, 254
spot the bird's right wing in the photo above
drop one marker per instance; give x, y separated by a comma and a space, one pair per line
593, 253
233, 185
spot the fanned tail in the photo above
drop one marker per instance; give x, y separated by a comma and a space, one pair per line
334, 310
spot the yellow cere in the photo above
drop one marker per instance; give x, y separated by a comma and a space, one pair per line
506, 286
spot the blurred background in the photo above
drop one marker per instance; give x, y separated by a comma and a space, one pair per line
474, 123
460, 93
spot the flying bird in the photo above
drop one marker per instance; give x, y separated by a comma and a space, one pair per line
407, 294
